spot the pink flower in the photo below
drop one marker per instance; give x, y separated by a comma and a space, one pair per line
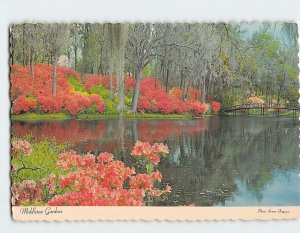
156, 176
138, 149
167, 188
23, 146
160, 148
155, 192
105, 157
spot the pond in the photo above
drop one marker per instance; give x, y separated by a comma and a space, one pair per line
215, 161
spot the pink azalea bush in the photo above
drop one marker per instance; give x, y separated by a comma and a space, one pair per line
89, 180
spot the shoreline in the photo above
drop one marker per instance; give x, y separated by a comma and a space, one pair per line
63, 116
84, 116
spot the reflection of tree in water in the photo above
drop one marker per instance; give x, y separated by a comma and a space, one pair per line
207, 164
207, 156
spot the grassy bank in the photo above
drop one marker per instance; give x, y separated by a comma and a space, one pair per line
45, 116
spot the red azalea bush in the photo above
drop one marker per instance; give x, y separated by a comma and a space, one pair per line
129, 83
22, 84
51, 104
216, 106
156, 101
153, 98
180, 107
96, 181
24, 104
150, 84
93, 80
198, 108
104, 80
193, 94
176, 93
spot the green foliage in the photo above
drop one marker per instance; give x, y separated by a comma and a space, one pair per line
293, 95
128, 100
92, 109
41, 162
232, 97
30, 95
266, 44
149, 168
77, 86
111, 106
36, 116
100, 90
129, 94
148, 71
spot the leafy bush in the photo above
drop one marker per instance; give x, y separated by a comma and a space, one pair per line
100, 90
34, 160
198, 108
76, 85
216, 106
24, 104
88, 180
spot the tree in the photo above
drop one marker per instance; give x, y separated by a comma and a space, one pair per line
57, 39
118, 34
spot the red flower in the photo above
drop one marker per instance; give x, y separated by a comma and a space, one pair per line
105, 157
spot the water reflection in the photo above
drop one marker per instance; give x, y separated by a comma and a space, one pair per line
237, 160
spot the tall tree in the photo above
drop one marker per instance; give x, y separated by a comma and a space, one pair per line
57, 39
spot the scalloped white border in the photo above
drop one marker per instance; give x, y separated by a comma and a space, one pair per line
161, 213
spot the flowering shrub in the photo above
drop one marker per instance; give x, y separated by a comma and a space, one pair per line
51, 104
71, 95
150, 153
216, 106
193, 94
150, 84
74, 97
176, 93
104, 80
180, 106
21, 146
198, 108
94, 181
255, 100
24, 104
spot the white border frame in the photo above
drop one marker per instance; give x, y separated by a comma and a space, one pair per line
13, 11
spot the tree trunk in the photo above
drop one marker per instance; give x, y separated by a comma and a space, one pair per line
167, 80
31, 61
121, 81
54, 74
32, 67
203, 91
118, 36
181, 79
138, 77
23, 46
75, 54
12, 49
111, 68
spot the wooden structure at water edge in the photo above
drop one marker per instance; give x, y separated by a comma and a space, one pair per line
245, 109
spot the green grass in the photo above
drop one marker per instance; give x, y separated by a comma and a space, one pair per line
36, 116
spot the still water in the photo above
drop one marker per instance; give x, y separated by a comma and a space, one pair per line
217, 161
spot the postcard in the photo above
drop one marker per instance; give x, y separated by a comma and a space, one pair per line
147, 121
